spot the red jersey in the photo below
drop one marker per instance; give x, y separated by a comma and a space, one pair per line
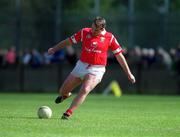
95, 48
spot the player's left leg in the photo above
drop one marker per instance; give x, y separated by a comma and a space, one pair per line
89, 83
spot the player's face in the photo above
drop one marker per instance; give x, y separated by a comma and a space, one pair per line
96, 28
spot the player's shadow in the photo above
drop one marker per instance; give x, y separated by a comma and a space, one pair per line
17, 117
20, 117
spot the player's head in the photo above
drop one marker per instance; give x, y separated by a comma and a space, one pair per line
98, 25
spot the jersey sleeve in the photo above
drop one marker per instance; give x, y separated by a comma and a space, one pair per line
77, 37
115, 46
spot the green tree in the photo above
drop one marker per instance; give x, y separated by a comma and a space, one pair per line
175, 5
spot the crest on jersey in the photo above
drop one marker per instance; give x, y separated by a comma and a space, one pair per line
88, 36
94, 44
102, 39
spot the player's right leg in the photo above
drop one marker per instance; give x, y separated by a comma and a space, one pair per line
89, 83
69, 84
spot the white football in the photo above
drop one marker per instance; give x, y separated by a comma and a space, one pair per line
44, 112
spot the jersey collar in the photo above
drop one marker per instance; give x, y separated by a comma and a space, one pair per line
103, 32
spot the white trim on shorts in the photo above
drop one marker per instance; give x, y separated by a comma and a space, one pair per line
81, 69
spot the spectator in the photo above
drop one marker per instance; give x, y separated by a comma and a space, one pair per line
10, 57
1, 58
71, 55
58, 56
172, 53
37, 59
166, 58
177, 68
47, 58
144, 58
151, 57
26, 58
136, 55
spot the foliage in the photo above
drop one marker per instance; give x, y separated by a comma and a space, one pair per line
175, 5
87, 6
38, 17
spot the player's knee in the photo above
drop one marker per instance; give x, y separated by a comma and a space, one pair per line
85, 89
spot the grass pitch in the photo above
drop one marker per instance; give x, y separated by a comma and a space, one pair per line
99, 116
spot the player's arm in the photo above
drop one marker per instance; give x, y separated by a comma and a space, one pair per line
117, 51
122, 61
59, 46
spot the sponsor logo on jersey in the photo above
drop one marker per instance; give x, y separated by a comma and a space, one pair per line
94, 44
102, 39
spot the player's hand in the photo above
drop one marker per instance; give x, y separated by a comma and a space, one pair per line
131, 78
51, 51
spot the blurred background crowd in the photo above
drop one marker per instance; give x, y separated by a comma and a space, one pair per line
146, 58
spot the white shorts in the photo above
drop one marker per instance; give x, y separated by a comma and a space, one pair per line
81, 69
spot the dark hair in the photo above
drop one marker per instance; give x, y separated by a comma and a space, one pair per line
101, 20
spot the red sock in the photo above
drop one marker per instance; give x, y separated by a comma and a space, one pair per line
69, 112
66, 96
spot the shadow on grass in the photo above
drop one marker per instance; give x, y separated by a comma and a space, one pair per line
21, 117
